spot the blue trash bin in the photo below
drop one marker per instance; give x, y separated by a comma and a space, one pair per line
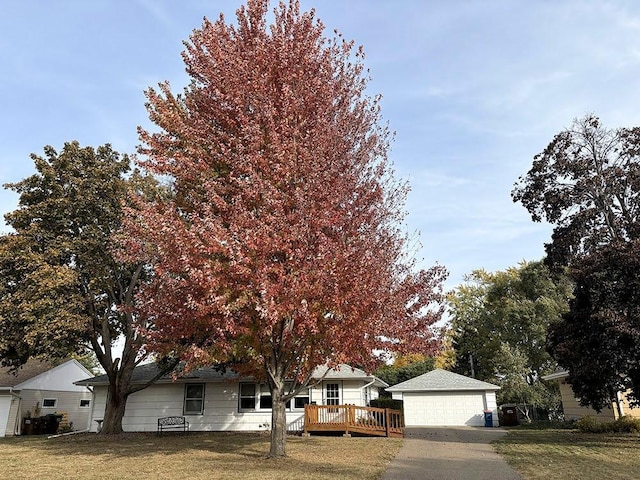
488, 418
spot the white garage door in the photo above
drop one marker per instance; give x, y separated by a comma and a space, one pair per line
444, 408
5, 406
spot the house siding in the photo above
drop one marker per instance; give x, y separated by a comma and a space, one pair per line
627, 409
221, 407
66, 401
573, 410
59, 379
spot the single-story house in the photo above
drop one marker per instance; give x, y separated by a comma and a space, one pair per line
442, 398
39, 388
215, 400
573, 410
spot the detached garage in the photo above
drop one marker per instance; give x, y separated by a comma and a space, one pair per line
441, 398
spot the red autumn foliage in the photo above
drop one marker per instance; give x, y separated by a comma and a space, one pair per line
281, 242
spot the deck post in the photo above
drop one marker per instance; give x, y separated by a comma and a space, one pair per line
387, 421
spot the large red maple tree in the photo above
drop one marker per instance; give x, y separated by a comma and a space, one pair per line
281, 244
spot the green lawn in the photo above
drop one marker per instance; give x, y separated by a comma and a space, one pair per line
569, 454
196, 456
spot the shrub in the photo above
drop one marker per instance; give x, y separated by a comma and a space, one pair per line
627, 424
386, 403
591, 425
624, 424
548, 424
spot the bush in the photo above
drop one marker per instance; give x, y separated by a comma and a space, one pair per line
386, 403
591, 425
627, 424
624, 424
548, 424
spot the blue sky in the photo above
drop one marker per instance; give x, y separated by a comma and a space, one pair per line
473, 89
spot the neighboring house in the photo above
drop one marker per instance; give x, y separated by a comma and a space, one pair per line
573, 410
213, 400
440, 398
38, 388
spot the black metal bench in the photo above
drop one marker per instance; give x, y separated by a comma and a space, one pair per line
173, 423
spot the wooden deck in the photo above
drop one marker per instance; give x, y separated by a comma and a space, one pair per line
383, 422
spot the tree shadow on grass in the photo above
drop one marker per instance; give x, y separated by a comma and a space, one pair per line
145, 444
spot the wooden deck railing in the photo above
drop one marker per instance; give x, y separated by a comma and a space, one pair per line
383, 422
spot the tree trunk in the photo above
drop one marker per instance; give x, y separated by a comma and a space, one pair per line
114, 412
278, 422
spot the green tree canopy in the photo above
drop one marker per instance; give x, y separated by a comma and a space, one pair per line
499, 322
394, 374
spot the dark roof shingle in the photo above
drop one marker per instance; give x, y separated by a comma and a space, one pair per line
32, 368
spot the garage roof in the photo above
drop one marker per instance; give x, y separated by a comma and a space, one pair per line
441, 380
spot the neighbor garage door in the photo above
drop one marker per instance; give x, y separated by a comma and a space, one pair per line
5, 407
443, 408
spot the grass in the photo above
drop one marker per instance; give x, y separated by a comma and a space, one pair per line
569, 454
196, 456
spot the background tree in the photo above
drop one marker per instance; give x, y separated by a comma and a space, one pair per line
499, 320
446, 357
404, 368
598, 341
61, 290
281, 245
587, 184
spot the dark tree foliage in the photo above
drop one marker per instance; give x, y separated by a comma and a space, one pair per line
394, 375
598, 341
587, 184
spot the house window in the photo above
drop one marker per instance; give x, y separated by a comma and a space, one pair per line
85, 403
194, 399
300, 400
255, 396
49, 402
266, 402
332, 394
247, 396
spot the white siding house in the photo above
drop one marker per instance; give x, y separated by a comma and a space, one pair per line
223, 401
38, 389
441, 398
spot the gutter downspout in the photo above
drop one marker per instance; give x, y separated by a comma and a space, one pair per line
93, 406
619, 403
17, 429
362, 394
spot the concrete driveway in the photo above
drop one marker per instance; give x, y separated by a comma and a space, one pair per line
450, 453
